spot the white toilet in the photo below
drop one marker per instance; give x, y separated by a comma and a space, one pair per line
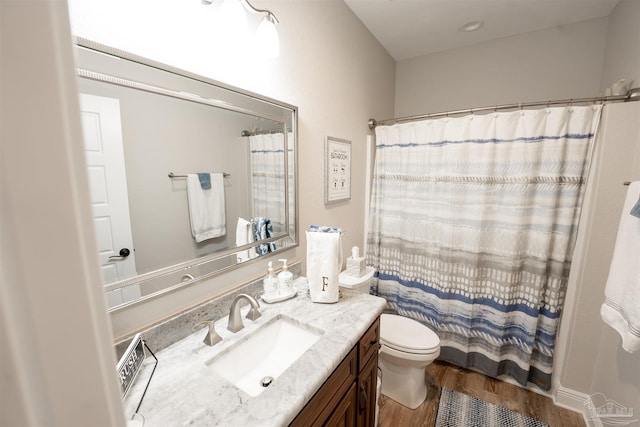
406, 348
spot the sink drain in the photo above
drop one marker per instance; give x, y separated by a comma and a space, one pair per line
266, 381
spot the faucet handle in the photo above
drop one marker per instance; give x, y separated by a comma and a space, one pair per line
212, 337
254, 313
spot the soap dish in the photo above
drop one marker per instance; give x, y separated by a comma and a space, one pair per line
279, 298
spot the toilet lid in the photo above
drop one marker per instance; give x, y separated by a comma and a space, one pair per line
403, 333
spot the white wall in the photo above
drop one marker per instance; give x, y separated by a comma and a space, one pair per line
57, 361
330, 66
562, 62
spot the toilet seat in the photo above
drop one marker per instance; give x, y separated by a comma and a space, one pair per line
407, 335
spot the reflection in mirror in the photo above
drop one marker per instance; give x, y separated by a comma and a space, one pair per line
187, 177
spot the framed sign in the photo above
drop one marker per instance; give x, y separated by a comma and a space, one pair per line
337, 170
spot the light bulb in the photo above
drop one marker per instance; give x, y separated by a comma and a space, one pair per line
267, 40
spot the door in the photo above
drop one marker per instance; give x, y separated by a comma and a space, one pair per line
108, 187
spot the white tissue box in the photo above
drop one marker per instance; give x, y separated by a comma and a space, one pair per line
356, 266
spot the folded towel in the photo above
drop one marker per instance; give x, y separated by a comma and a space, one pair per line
324, 263
244, 235
205, 180
206, 207
262, 229
621, 308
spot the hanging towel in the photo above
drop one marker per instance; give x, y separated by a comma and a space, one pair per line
244, 235
262, 229
324, 263
621, 307
206, 207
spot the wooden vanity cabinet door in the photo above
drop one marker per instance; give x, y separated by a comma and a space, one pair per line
367, 382
368, 347
345, 413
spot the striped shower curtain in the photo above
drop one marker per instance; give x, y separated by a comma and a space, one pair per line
267, 175
472, 226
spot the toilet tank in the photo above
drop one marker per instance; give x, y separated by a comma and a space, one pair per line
359, 284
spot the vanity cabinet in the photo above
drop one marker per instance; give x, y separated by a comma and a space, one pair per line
348, 396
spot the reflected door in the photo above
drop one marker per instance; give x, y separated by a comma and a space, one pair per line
108, 187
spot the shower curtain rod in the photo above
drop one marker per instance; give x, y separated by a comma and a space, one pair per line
632, 95
262, 132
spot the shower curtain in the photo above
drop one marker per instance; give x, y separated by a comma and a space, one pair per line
267, 177
472, 226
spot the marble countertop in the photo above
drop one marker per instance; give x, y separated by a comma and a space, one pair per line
185, 391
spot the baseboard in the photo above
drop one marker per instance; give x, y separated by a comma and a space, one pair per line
577, 402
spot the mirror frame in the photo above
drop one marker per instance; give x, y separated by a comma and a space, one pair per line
285, 240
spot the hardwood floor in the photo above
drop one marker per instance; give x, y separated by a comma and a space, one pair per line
499, 393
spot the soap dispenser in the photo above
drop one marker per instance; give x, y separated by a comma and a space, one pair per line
270, 283
285, 279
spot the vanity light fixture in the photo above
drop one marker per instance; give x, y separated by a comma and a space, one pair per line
472, 26
266, 37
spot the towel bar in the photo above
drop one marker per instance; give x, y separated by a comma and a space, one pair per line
173, 175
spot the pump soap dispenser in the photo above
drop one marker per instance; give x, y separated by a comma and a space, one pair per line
270, 284
285, 280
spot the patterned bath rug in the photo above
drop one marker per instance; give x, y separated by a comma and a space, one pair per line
459, 410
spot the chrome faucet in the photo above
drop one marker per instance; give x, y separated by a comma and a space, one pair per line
235, 319
212, 336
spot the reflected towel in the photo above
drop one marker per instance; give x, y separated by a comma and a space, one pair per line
206, 207
244, 235
621, 308
262, 229
324, 262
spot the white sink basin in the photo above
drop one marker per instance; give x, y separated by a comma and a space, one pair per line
266, 352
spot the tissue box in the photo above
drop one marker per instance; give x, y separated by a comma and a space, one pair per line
356, 266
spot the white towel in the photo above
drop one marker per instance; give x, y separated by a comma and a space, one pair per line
244, 235
621, 308
324, 262
206, 207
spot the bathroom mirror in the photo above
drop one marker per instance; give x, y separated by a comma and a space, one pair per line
147, 127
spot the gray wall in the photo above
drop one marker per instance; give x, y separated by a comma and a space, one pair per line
564, 62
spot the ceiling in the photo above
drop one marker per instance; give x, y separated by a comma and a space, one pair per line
410, 28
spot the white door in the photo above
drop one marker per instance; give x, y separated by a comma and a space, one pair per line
108, 186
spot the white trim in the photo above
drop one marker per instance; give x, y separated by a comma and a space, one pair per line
577, 402
53, 310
